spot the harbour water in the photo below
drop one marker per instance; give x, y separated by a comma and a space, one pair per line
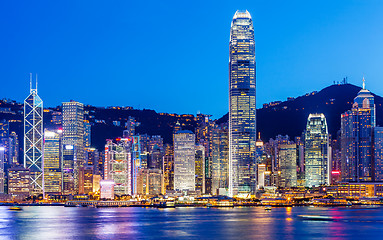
42, 222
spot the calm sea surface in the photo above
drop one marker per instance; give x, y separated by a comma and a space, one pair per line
189, 223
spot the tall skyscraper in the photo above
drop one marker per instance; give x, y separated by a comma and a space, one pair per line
87, 134
200, 168
168, 167
220, 166
68, 165
13, 149
33, 140
242, 108
378, 154
52, 162
356, 138
118, 166
2, 172
288, 165
73, 135
316, 151
184, 160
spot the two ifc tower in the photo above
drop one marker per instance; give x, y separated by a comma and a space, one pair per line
242, 115
242, 106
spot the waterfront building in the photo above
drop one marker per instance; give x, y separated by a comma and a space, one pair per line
150, 182
118, 166
184, 160
356, 139
2, 170
200, 168
354, 189
86, 180
204, 133
261, 175
220, 163
317, 165
68, 165
33, 140
19, 182
73, 134
288, 165
168, 167
136, 161
378, 154
52, 162
242, 106
96, 182
300, 161
107, 189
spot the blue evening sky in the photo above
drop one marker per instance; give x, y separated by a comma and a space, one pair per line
172, 56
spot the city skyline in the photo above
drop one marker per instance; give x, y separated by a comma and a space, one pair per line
49, 49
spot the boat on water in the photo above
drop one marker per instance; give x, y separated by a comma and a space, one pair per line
267, 208
15, 208
315, 217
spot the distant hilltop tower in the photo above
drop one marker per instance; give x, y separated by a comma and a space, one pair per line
242, 108
33, 139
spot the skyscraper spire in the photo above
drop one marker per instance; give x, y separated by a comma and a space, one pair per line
364, 83
30, 82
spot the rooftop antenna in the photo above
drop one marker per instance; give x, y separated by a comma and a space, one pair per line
30, 82
364, 83
36, 82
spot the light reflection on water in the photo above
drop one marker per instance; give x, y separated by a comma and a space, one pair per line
189, 223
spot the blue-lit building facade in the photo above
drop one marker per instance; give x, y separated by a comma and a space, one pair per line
242, 108
357, 127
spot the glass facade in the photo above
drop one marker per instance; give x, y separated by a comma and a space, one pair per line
356, 139
73, 134
378, 154
288, 165
317, 165
52, 162
242, 109
33, 140
118, 166
220, 166
200, 168
184, 160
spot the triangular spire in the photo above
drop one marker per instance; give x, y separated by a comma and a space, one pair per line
30, 82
